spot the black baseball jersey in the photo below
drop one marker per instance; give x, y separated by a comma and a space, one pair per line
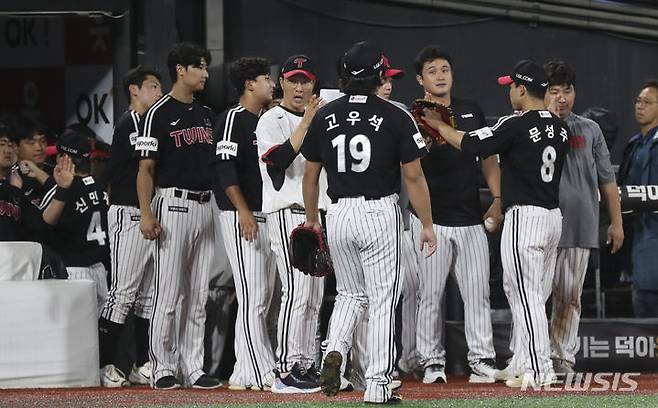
10, 211
452, 175
236, 158
361, 141
178, 136
532, 148
32, 225
80, 236
122, 169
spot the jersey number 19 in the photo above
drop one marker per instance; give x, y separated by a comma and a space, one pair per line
359, 149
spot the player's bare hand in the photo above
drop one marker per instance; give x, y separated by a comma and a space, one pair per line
15, 179
64, 171
428, 241
495, 214
552, 102
433, 118
314, 225
248, 225
615, 237
312, 108
149, 226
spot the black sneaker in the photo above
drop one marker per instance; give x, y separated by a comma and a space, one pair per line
168, 382
313, 373
206, 382
297, 381
330, 375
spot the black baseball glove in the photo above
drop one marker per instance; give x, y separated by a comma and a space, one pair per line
309, 252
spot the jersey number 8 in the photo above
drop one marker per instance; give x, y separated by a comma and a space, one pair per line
548, 157
359, 151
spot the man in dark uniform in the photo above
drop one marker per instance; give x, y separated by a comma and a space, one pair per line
238, 190
462, 243
11, 196
363, 141
131, 255
532, 147
174, 146
77, 214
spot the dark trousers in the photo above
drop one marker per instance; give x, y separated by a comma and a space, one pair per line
645, 303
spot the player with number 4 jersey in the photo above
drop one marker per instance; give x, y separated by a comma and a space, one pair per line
76, 210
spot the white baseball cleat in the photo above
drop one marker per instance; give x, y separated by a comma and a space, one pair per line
434, 374
140, 375
394, 385
483, 371
112, 377
528, 380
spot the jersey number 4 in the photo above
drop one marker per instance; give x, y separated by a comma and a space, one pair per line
95, 231
359, 149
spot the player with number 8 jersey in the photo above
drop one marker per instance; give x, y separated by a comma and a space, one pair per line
532, 146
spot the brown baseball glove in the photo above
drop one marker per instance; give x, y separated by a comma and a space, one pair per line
430, 134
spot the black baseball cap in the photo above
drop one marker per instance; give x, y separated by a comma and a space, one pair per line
74, 144
364, 59
299, 64
527, 73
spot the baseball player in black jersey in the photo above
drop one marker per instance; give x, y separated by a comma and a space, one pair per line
77, 213
11, 197
174, 145
361, 140
238, 190
532, 147
130, 254
462, 243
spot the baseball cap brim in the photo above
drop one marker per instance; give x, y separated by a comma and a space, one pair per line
505, 80
299, 71
51, 150
393, 73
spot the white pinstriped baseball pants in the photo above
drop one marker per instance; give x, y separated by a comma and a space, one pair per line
132, 266
252, 264
528, 253
567, 287
181, 267
364, 239
465, 251
95, 273
301, 296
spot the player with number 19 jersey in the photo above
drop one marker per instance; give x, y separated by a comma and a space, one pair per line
356, 138
532, 148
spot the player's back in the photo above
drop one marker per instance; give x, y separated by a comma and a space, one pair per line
531, 165
361, 140
80, 235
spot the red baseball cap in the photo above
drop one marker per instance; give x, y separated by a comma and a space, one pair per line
391, 72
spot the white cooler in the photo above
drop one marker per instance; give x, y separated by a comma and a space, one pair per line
48, 334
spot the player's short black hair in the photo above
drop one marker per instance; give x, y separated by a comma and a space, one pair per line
82, 164
245, 69
650, 83
560, 73
27, 128
359, 86
429, 54
137, 76
185, 54
535, 92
